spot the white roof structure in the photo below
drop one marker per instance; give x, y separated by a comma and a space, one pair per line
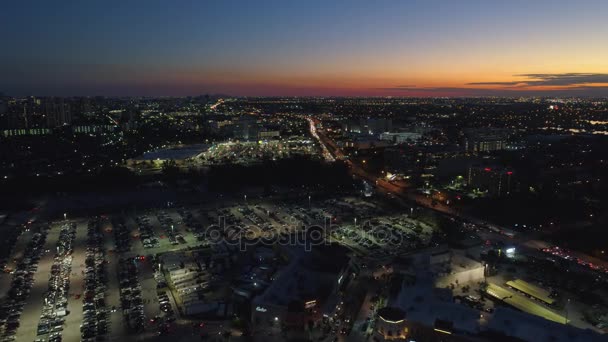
532, 328
424, 304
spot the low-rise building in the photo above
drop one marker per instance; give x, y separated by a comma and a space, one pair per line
303, 291
391, 325
400, 137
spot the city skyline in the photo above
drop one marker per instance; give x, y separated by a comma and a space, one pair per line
280, 170
272, 48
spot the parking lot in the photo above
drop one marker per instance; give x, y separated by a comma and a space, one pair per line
47, 303
98, 276
16, 305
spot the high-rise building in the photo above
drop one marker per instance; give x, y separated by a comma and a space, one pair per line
485, 141
495, 181
371, 126
374, 126
245, 128
57, 112
400, 137
3, 105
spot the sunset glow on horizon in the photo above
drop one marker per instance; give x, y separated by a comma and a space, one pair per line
314, 48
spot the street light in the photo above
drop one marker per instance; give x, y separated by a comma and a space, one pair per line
568, 302
65, 216
308, 201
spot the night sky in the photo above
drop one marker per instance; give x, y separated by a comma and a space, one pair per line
340, 47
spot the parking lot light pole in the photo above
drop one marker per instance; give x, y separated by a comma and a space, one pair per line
568, 302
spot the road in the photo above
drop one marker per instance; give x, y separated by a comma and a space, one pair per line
365, 312
408, 197
148, 293
313, 131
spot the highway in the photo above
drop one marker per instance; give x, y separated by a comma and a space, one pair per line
313, 131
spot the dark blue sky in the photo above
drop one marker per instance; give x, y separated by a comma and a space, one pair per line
297, 47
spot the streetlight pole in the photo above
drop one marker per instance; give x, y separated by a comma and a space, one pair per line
568, 302
309, 206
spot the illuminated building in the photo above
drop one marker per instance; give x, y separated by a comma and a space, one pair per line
479, 141
304, 291
495, 181
400, 137
57, 112
391, 325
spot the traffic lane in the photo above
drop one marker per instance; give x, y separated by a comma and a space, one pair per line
148, 289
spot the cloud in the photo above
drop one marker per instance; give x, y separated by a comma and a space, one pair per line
496, 83
412, 88
591, 91
563, 80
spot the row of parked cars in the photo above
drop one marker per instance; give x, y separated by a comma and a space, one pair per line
159, 277
166, 222
121, 235
23, 279
164, 322
189, 220
56, 297
94, 326
130, 294
146, 233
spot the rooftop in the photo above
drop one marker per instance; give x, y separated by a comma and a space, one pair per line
532, 328
391, 314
